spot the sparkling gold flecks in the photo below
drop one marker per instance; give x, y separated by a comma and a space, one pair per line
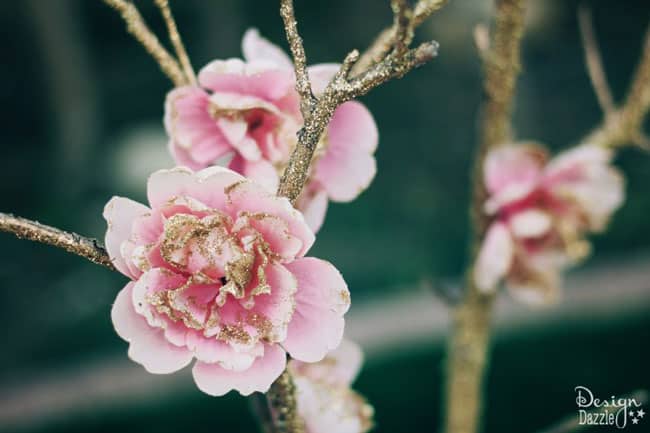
165, 302
239, 274
234, 334
263, 325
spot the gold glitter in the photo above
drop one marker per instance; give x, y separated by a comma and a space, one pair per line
87, 248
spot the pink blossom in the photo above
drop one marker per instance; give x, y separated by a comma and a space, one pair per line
325, 400
245, 113
218, 273
541, 212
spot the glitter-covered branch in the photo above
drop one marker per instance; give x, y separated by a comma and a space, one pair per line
572, 194
624, 124
136, 25
471, 322
87, 248
344, 86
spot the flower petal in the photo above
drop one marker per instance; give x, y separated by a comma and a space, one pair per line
120, 213
494, 258
313, 205
148, 345
530, 223
261, 171
321, 301
348, 165
256, 48
217, 381
321, 74
250, 197
207, 185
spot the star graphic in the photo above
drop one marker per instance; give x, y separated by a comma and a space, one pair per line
635, 420
640, 413
631, 413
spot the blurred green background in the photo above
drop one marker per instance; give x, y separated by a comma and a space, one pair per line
82, 108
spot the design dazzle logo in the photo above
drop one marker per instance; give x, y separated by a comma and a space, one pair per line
608, 412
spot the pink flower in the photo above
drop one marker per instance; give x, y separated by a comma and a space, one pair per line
325, 401
219, 274
245, 113
541, 212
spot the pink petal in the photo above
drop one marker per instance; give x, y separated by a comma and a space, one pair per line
339, 368
313, 205
212, 351
348, 165
120, 213
277, 306
259, 79
148, 345
254, 198
257, 48
321, 301
512, 164
261, 171
494, 258
530, 223
217, 381
207, 185
321, 74
182, 156
275, 232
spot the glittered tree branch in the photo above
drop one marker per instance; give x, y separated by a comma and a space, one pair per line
594, 61
385, 42
141, 32
318, 111
468, 345
87, 248
623, 125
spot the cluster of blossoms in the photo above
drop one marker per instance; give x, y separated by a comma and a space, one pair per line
541, 211
325, 400
217, 261
245, 114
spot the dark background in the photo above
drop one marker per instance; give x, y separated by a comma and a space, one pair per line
81, 109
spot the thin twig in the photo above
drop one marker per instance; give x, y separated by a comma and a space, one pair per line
138, 28
624, 126
73, 243
176, 40
467, 358
594, 62
403, 17
342, 88
383, 43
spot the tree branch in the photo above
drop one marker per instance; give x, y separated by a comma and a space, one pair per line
594, 62
73, 243
624, 125
139, 29
176, 40
303, 85
468, 344
383, 43
342, 88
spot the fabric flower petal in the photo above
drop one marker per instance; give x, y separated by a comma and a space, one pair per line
348, 166
148, 345
321, 301
494, 258
217, 381
257, 48
120, 213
